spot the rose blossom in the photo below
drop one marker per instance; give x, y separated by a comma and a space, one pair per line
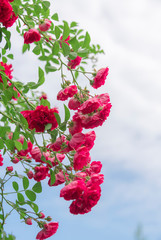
5, 10
77, 140
48, 230
66, 40
74, 104
10, 21
1, 160
32, 35
28, 221
89, 140
86, 201
45, 25
100, 78
75, 127
74, 63
81, 158
59, 179
90, 105
30, 174
40, 117
7, 69
9, 169
41, 215
73, 190
40, 173
69, 91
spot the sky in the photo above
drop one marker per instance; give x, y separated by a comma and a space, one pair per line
129, 142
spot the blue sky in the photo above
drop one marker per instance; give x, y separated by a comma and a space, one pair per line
129, 142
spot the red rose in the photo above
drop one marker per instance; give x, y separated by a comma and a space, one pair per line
69, 91
74, 104
90, 105
1, 160
59, 179
7, 69
30, 174
66, 40
100, 78
39, 117
40, 173
5, 10
10, 21
74, 63
89, 140
48, 230
96, 166
88, 200
28, 221
32, 35
9, 169
45, 25
77, 140
75, 127
73, 190
81, 158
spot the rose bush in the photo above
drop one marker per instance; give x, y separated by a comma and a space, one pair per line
62, 156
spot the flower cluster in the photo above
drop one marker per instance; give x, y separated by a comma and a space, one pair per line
7, 15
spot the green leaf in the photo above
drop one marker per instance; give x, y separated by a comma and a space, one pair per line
36, 50
55, 49
72, 55
20, 197
74, 43
23, 121
57, 118
37, 187
57, 32
63, 126
18, 145
10, 144
25, 145
45, 102
50, 68
46, 5
66, 49
41, 77
25, 182
31, 195
15, 186
67, 113
1, 144
48, 126
83, 53
86, 40
54, 135
34, 207
55, 17
66, 30
25, 48
52, 177
10, 56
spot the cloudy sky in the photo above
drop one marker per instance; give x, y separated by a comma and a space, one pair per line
129, 142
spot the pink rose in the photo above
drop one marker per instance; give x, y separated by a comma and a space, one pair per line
73, 190
45, 25
81, 158
48, 230
32, 35
28, 221
74, 63
100, 78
